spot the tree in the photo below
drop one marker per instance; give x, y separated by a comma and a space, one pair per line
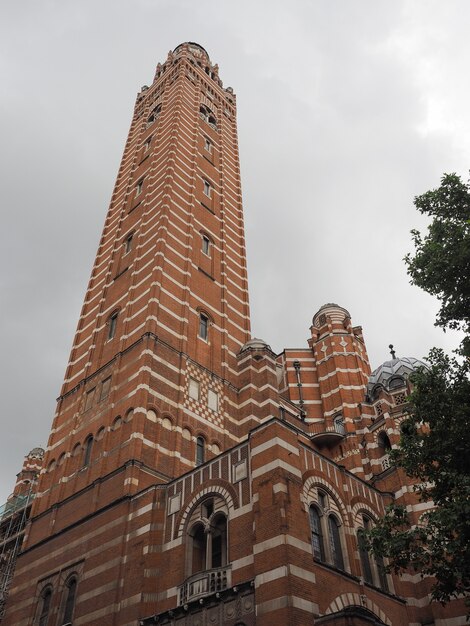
433, 447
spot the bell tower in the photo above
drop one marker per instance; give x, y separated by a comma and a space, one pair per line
166, 310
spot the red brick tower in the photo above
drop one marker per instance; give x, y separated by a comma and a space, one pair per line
149, 386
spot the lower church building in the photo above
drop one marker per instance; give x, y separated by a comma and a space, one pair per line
192, 476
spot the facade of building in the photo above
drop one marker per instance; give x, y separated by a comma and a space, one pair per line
192, 476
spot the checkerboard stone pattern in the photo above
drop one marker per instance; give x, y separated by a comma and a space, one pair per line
206, 382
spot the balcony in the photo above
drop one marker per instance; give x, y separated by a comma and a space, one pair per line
204, 583
328, 436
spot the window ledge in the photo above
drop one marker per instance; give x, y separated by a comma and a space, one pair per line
207, 207
206, 273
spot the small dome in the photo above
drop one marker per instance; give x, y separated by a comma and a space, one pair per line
37, 452
255, 344
336, 312
193, 47
392, 375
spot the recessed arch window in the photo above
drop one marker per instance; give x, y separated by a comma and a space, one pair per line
200, 450
318, 546
373, 569
128, 243
326, 531
207, 537
338, 423
45, 606
116, 423
336, 549
87, 449
205, 244
70, 593
384, 442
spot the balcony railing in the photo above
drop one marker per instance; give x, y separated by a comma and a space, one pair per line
205, 583
386, 463
328, 435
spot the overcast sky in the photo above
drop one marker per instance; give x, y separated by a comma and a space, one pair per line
346, 111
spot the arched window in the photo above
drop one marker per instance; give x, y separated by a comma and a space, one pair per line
208, 540
336, 549
70, 594
198, 549
317, 534
45, 606
363, 553
218, 532
384, 448
87, 450
384, 442
338, 423
200, 450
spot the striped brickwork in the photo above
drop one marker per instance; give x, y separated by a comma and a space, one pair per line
192, 476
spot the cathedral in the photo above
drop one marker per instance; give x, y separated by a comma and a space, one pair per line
192, 476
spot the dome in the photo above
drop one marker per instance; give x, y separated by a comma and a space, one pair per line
255, 344
336, 312
37, 452
193, 47
392, 374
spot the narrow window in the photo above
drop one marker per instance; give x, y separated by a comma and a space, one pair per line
45, 606
87, 451
139, 187
147, 145
338, 423
71, 590
317, 535
213, 400
112, 323
335, 542
206, 245
128, 244
208, 145
363, 553
207, 189
194, 389
200, 450
203, 327
198, 552
219, 541
89, 399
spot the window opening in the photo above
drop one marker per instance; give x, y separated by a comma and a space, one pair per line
128, 244
198, 561
207, 189
112, 323
219, 542
87, 453
338, 423
203, 327
363, 553
335, 542
70, 601
207, 145
139, 187
317, 536
206, 245
45, 606
200, 450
